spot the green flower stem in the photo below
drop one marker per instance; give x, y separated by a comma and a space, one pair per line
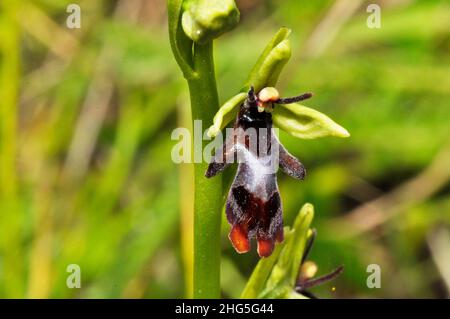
192, 47
208, 192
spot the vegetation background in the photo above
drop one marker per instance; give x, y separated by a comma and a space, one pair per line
85, 123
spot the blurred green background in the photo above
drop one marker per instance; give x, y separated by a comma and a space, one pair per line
85, 122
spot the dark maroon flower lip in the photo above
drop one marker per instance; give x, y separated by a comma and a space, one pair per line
253, 205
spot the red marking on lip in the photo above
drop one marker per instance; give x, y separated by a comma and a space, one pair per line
239, 239
265, 247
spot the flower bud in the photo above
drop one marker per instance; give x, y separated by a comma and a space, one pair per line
206, 20
307, 271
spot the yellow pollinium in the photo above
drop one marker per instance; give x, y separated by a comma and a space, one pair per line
266, 97
268, 94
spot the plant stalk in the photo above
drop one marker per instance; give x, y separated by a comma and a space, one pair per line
207, 192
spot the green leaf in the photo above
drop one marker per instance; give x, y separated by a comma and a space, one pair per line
257, 280
269, 65
226, 113
304, 122
294, 251
275, 276
206, 20
284, 273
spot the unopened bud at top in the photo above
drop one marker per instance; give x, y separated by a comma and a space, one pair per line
205, 20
